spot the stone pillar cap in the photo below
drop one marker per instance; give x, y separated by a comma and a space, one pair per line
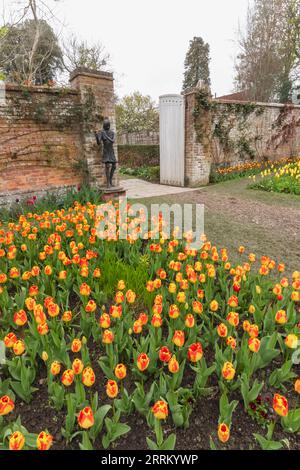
91, 73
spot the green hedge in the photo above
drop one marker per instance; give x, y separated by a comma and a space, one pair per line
135, 156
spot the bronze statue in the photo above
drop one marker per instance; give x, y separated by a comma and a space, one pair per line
107, 137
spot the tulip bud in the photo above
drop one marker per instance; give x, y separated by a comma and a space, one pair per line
297, 386
45, 356
223, 432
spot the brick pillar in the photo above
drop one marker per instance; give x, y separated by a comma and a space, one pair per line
99, 88
198, 136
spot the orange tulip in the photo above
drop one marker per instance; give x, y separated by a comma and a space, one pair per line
77, 366
174, 311
231, 341
53, 310
85, 290
16, 441
20, 318
44, 441
160, 410
43, 329
86, 418
19, 347
233, 301
280, 405
76, 345
67, 377
254, 344
164, 354
228, 371
88, 377
39, 314
10, 339
107, 337
178, 338
291, 341
197, 307
55, 368
91, 306
116, 311
112, 389
233, 319
297, 386
173, 365
6, 405
143, 362
222, 330
67, 316
120, 371
156, 321
195, 352
104, 320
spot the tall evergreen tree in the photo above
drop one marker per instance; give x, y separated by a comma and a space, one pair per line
196, 65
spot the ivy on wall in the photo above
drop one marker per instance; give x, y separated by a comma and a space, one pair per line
213, 119
284, 128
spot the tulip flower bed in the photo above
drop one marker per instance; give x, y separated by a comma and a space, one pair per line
285, 179
250, 169
116, 344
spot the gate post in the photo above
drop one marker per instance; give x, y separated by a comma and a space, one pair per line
198, 136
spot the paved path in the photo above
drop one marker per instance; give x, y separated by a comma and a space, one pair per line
138, 189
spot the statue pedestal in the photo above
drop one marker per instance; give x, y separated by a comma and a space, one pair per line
112, 193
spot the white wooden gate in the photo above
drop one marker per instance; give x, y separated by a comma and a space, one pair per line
171, 110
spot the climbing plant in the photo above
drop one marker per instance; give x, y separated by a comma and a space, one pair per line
213, 119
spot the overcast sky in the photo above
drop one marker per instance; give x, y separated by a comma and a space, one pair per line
148, 40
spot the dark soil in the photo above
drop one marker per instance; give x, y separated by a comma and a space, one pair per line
39, 415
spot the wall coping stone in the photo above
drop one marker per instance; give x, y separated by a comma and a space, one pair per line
91, 73
41, 89
192, 91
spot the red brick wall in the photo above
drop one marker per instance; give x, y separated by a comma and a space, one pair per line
40, 140
47, 137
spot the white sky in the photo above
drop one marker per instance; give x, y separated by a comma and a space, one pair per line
148, 40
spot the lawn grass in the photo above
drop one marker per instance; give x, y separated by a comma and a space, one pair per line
265, 223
